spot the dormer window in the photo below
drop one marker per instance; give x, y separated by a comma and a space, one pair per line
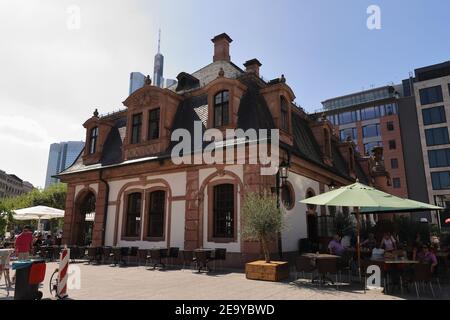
153, 124
221, 112
93, 140
284, 119
136, 128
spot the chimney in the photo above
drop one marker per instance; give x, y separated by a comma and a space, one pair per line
253, 66
221, 47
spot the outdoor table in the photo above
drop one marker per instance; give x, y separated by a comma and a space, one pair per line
317, 256
391, 266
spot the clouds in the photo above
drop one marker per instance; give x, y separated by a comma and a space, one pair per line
52, 77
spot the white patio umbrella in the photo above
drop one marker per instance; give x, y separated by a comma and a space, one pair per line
38, 213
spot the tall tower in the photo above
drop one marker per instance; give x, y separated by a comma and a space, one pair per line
158, 68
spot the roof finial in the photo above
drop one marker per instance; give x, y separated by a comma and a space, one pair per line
96, 113
148, 81
283, 79
357, 180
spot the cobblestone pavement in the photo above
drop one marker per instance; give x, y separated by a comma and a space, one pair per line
108, 282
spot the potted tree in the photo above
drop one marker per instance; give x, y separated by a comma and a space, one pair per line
262, 220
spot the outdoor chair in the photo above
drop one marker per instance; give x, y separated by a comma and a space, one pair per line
106, 256
132, 253
116, 255
201, 259
81, 252
125, 255
56, 252
173, 254
92, 254
142, 256
220, 255
345, 265
326, 267
155, 257
188, 258
304, 265
422, 275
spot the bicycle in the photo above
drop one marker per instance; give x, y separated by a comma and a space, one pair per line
53, 284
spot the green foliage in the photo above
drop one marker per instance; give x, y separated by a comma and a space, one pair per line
54, 196
262, 220
343, 224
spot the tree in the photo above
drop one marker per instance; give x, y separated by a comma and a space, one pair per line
54, 196
343, 224
262, 220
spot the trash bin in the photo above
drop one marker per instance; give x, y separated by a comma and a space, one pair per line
29, 274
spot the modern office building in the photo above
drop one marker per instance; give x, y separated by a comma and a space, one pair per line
370, 118
137, 81
12, 186
430, 89
60, 157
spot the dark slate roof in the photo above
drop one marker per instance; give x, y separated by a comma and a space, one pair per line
304, 141
253, 110
360, 173
112, 149
253, 113
338, 160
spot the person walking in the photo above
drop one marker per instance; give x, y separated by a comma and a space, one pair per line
24, 243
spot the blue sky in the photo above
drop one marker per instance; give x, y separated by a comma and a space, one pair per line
323, 47
54, 77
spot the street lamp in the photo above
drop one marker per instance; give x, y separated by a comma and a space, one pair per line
281, 178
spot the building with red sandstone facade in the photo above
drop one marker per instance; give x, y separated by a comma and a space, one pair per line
141, 198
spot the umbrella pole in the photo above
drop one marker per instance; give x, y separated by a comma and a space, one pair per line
358, 243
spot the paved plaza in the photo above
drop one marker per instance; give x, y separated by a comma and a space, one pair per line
136, 282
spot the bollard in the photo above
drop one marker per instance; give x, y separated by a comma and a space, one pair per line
63, 273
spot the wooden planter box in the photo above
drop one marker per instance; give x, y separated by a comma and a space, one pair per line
273, 271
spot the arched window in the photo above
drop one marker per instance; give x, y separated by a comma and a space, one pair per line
288, 196
223, 211
93, 140
284, 118
309, 194
221, 106
155, 217
133, 215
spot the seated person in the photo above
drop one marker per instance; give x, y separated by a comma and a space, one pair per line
48, 241
377, 253
388, 242
370, 242
426, 256
417, 246
335, 247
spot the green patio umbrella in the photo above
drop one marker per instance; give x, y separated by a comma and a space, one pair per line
366, 199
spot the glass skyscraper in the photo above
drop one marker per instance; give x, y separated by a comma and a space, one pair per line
60, 157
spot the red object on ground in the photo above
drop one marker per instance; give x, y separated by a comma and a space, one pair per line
447, 220
37, 273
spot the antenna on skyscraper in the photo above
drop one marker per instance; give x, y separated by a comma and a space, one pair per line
159, 40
